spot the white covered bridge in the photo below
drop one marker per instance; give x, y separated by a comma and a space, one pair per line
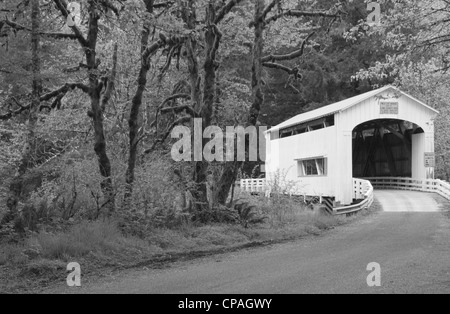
382, 139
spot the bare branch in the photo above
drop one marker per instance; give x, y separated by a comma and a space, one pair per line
179, 109
289, 56
266, 11
297, 13
64, 88
225, 10
167, 100
166, 135
293, 71
60, 35
14, 25
20, 27
269, 8
150, 50
12, 113
172, 98
109, 5
58, 93
163, 4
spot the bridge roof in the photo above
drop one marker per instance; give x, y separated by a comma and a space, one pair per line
341, 106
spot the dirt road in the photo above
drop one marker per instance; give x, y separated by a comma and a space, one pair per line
412, 248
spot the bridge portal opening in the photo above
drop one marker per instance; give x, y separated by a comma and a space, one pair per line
384, 148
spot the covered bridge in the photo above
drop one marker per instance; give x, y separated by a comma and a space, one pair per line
382, 133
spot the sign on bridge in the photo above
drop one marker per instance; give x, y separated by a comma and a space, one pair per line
388, 107
430, 160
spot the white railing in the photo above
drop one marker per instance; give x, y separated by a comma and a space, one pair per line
442, 188
253, 185
362, 190
424, 185
360, 187
402, 184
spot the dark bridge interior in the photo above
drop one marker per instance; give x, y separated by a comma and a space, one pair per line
382, 148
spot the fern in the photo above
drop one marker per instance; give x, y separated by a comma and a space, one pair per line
242, 213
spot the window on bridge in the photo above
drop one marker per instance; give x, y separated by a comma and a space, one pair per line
312, 167
306, 127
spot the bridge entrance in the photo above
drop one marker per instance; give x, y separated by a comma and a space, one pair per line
383, 148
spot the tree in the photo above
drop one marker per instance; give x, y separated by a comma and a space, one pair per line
99, 88
260, 23
32, 117
203, 39
137, 102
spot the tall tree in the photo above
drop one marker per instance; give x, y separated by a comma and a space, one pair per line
133, 122
99, 89
26, 159
147, 51
260, 22
201, 46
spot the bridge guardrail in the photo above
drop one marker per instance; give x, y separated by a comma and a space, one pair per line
424, 185
403, 184
362, 189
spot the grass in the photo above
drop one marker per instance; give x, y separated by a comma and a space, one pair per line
101, 245
82, 239
12, 254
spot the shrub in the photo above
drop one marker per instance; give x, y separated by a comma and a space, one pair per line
155, 188
239, 212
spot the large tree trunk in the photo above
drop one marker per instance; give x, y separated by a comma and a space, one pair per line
134, 111
26, 161
226, 181
258, 46
95, 89
100, 150
212, 42
231, 169
200, 167
27, 155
